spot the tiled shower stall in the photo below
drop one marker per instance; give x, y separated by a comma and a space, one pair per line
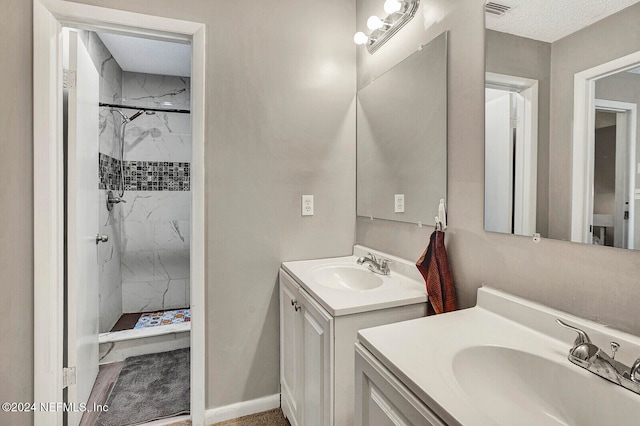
145, 264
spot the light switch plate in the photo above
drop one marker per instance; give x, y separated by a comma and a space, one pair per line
637, 197
399, 203
307, 205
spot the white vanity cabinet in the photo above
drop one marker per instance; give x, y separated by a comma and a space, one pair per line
382, 400
317, 352
306, 357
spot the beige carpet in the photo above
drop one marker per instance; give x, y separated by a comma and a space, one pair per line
266, 418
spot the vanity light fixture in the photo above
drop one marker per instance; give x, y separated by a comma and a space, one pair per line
399, 13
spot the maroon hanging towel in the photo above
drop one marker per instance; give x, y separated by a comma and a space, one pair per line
434, 267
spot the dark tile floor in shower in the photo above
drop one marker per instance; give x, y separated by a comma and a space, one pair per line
126, 322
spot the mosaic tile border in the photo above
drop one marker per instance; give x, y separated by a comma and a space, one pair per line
156, 176
109, 172
144, 175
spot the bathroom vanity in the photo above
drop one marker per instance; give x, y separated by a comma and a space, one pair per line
323, 304
503, 362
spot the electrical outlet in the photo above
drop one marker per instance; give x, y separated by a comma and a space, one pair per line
399, 203
307, 205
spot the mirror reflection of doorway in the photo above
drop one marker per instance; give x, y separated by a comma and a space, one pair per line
511, 153
611, 222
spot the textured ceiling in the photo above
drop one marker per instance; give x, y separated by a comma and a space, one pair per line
551, 20
148, 56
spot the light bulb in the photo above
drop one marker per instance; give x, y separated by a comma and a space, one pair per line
374, 23
392, 6
360, 38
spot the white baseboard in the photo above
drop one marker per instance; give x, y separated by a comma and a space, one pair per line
245, 408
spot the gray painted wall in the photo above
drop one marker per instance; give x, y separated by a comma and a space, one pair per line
523, 57
593, 282
16, 209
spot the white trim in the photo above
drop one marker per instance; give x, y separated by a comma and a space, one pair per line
583, 121
142, 333
168, 421
240, 409
631, 111
48, 18
525, 204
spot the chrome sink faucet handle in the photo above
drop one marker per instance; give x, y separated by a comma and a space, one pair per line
384, 266
635, 371
614, 348
582, 336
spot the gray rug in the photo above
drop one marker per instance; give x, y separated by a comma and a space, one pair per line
149, 387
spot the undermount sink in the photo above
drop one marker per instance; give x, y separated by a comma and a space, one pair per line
343, 277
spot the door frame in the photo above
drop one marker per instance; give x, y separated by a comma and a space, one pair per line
49, 16
584, 98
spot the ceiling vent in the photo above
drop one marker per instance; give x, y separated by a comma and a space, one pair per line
496, 8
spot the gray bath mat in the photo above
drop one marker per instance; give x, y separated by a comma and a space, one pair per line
149, 387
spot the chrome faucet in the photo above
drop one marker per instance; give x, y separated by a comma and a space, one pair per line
380, 266
590, 357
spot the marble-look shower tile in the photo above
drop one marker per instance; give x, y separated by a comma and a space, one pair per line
110, 309
174, 122
154, 295
156, 90
156, 206
137, 236
108, 68
171, 235
139, 266
166, 122
109, 137
173, 264
150, 144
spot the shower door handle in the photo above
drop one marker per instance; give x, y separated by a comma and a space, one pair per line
101, 238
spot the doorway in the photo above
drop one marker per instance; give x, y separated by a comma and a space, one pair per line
128, 158
591, 88
50, 16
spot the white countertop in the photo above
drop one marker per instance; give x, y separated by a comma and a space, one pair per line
404, 286
422, 354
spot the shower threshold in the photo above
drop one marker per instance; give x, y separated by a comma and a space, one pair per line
118, 345
141, 333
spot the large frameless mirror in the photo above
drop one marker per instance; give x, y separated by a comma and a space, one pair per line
402, 138
561, 134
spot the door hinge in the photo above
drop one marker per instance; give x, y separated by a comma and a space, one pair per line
68, 79
68, 376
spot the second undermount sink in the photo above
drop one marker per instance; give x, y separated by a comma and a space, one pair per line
344, 277
540, 391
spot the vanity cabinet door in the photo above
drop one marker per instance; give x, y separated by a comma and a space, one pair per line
382, 400
318, 363
290, 349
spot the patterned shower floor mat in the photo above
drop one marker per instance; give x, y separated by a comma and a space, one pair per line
154, 319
